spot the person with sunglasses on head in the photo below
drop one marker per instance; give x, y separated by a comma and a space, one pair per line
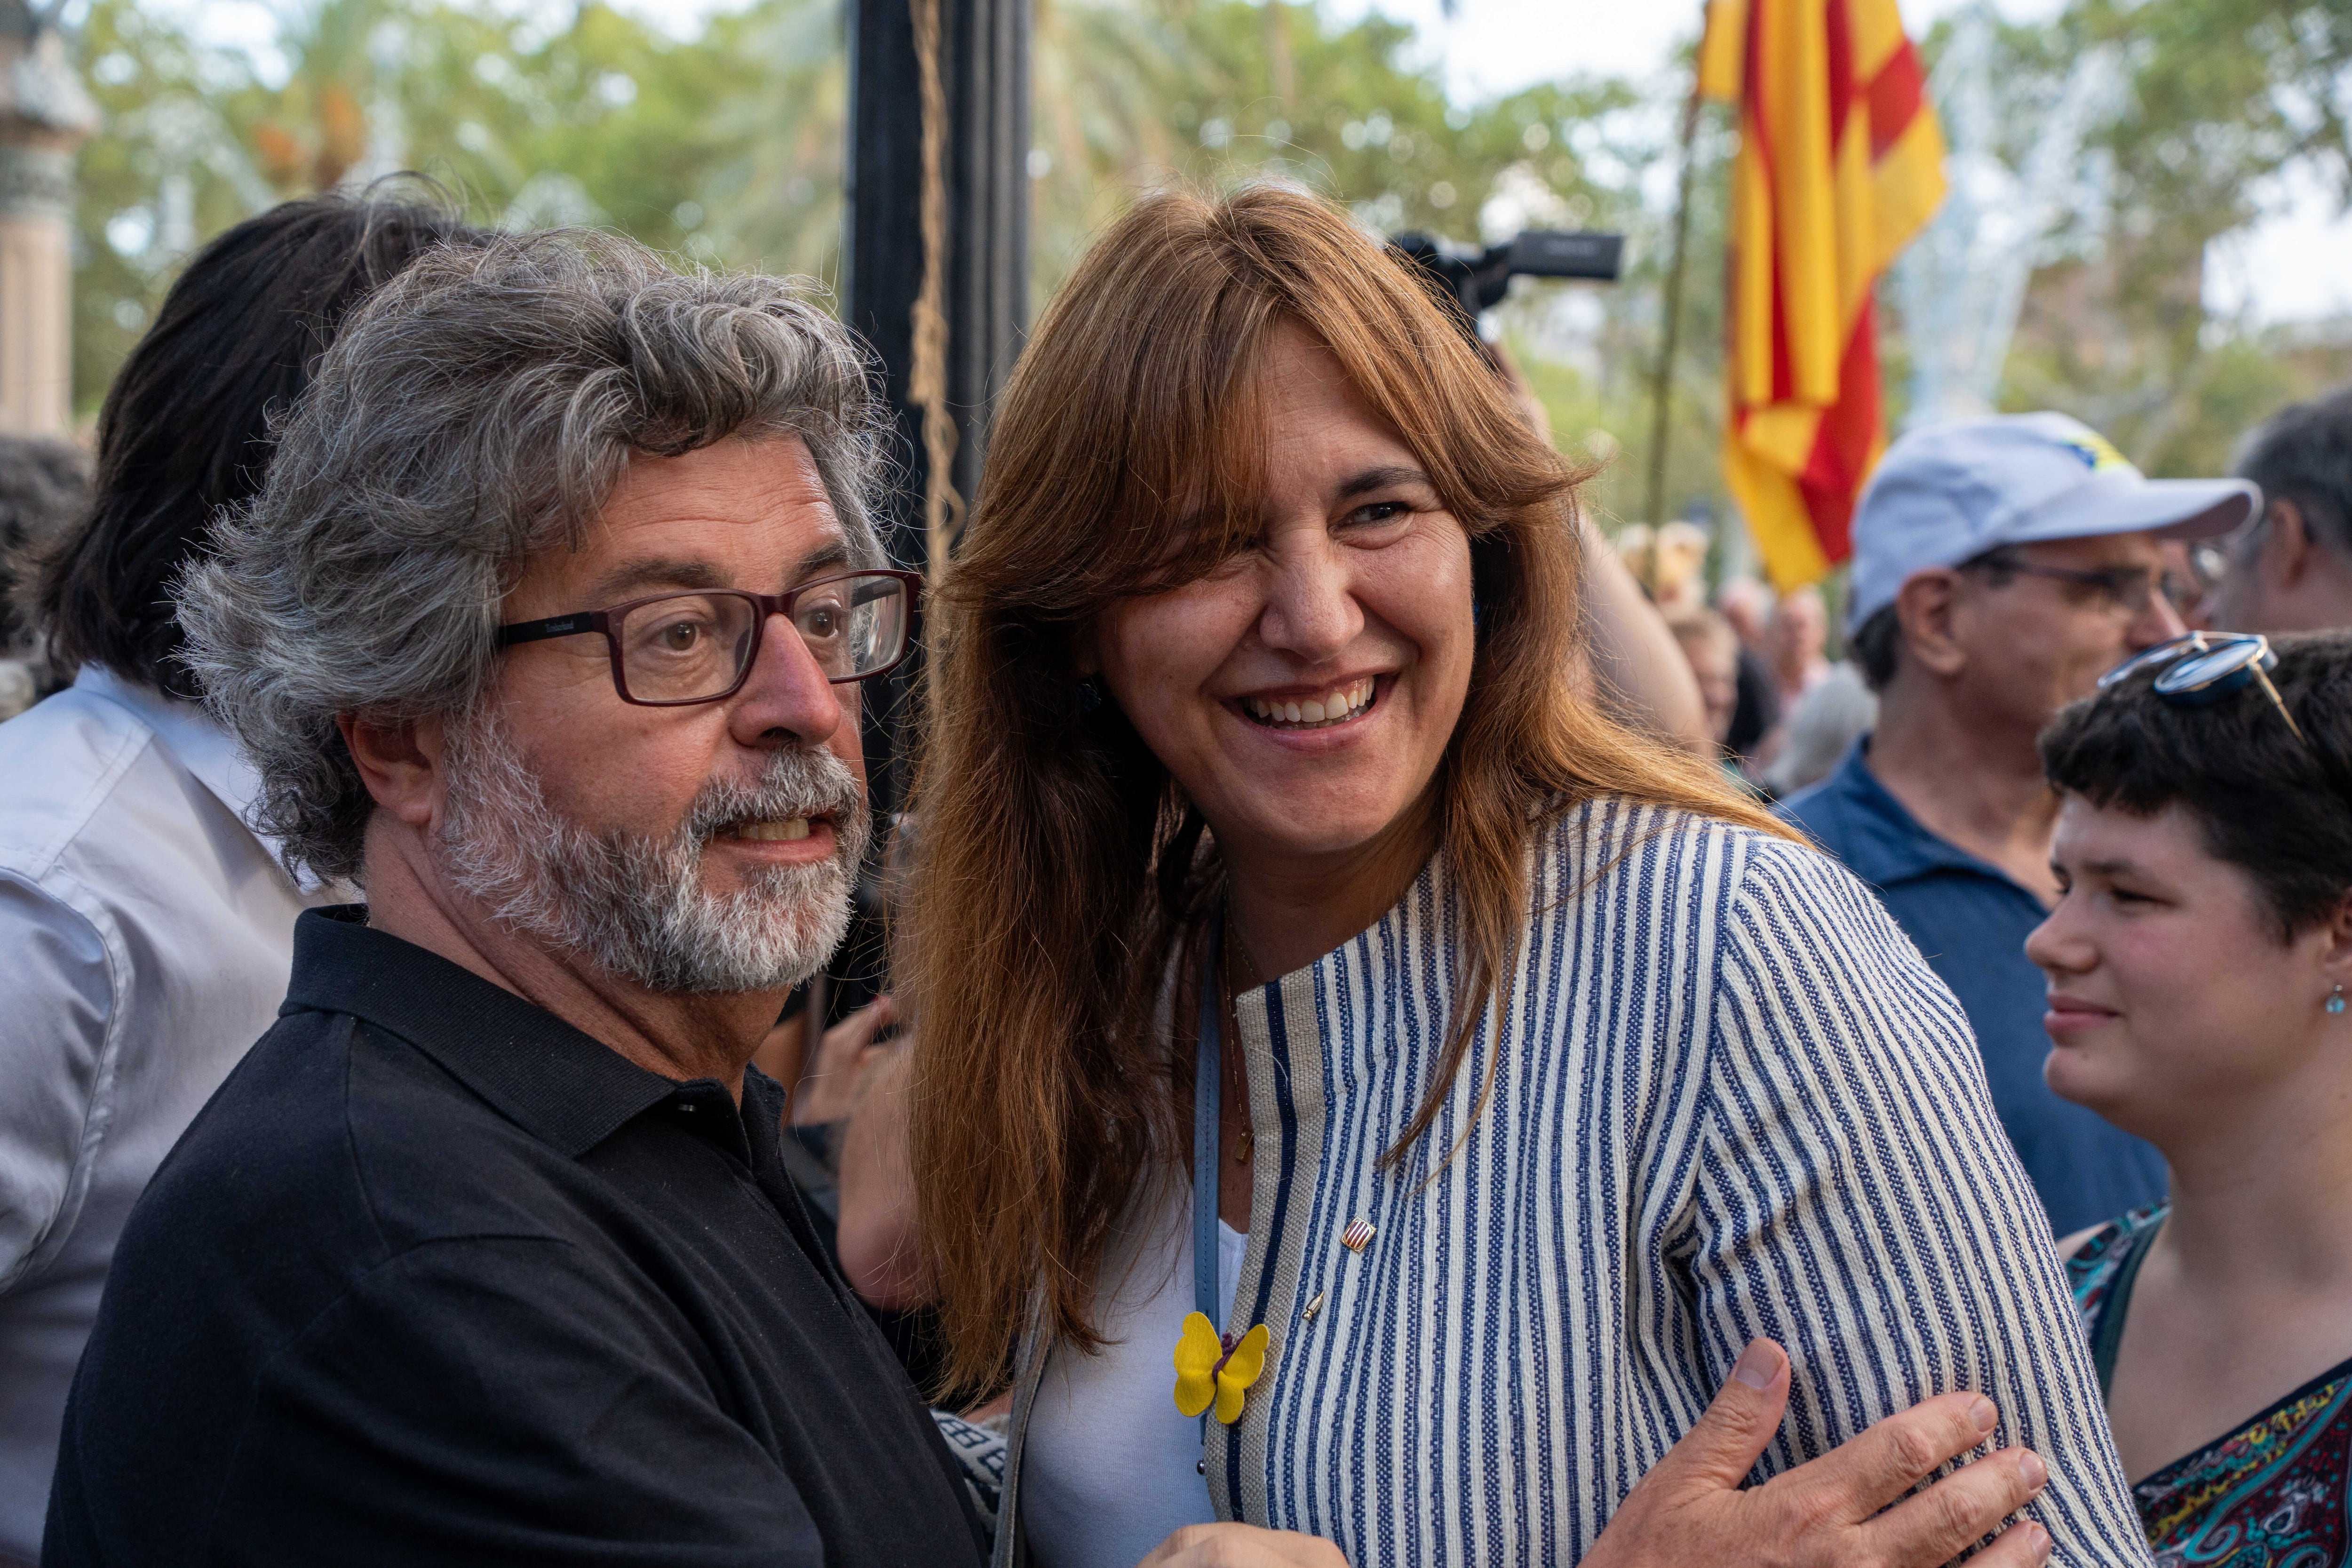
2197, 965
1999, 566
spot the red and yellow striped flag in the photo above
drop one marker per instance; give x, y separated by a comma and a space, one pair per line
1840, 164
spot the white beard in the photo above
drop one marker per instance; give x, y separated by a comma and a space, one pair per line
635, 906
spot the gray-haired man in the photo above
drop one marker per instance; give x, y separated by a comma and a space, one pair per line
547, 630
2290, 569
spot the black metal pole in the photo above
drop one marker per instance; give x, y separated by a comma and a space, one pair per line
985, 67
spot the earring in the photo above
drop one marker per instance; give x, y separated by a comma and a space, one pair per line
1090, 697
2335, 1002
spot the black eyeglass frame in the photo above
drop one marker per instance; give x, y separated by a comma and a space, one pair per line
2107, 580
607, 622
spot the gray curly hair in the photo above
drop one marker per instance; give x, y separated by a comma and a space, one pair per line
477, 410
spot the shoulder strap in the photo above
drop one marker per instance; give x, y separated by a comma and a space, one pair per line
1208, 1081
2108, 1333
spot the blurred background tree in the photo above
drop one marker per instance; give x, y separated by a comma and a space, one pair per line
724, 144
2219, 100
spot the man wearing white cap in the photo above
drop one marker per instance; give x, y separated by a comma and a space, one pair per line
2000, 567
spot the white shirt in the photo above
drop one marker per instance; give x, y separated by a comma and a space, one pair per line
1113, 1465
146, 933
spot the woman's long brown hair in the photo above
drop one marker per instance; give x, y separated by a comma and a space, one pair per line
1059, 863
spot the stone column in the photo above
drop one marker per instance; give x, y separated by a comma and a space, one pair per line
43, 116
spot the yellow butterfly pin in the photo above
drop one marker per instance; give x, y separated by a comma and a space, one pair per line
1209, 1368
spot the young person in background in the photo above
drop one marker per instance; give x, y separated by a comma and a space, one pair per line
44, 492
2197, 963
146, 928
1746, 604
1798, 639
1712, 649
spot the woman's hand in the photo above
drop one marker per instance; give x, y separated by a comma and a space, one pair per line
1242, 1546
876, 1236
1826, 1514
827, 1091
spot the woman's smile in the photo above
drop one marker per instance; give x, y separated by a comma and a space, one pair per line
1322, 707
1304, 693
2069, 1016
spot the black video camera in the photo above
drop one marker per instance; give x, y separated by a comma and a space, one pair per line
1475, 279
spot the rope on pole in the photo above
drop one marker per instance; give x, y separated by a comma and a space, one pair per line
926, 378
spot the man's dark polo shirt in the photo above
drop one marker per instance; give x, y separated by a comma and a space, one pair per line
1970, 919
436, 1278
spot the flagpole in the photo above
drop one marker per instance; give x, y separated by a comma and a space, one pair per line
1663, 387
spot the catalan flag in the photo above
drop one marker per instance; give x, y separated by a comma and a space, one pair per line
1840, 164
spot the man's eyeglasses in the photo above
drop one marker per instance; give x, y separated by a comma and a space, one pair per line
2204, 667
2127, 590
673, 649
2208, 562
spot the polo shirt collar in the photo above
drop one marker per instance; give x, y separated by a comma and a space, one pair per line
1885, 844
565, 1088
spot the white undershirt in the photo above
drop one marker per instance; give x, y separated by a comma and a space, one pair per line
1110, 1468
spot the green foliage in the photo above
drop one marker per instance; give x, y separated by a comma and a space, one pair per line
1132, 96
164, 172
727, 147
2217, 98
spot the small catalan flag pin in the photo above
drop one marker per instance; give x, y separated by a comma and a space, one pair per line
1357, 1235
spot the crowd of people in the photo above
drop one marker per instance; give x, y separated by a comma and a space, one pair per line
1411, 1037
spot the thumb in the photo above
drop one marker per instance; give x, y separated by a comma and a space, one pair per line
855, 1032
1717, 1453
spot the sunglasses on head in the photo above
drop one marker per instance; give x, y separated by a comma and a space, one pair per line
2204, 667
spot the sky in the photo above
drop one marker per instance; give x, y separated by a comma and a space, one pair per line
2291, 267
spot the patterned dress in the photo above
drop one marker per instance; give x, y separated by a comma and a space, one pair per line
2269, 1494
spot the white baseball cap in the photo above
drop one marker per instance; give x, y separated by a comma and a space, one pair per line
1950, 492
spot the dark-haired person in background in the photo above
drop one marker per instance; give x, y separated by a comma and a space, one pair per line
2291, 570
44, 491
146, 930
1999, 566
2198, 963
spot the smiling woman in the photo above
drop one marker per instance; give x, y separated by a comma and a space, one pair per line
2197, 962
1526, 1070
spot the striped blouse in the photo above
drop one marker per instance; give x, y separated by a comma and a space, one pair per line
1730, 1100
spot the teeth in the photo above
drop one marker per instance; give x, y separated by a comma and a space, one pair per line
774, 832
1334, 707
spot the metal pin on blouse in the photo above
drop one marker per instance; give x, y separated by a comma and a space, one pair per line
1356, 1237
1312, 1308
